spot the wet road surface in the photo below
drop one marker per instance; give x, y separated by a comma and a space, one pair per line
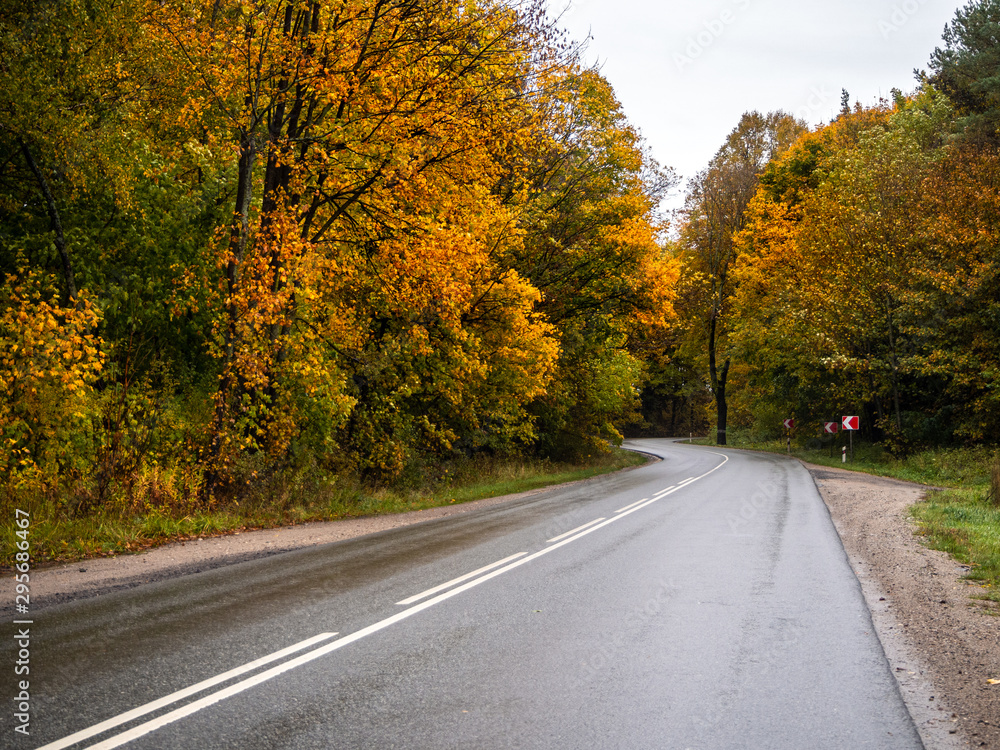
703, 602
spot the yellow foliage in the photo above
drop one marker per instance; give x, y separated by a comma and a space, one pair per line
49, 361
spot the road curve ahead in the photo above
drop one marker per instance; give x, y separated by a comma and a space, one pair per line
703, 601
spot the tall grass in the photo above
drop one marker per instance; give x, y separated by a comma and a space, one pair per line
994, 496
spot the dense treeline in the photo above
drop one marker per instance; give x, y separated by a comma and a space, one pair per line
855, 269
284, 241
248, 239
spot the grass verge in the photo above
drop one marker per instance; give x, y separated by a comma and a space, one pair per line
56, 537
963, 519
966, 525
958, 468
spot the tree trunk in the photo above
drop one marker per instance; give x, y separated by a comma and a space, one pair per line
894, 363
239, 240
721, 407
55, 223
718, 381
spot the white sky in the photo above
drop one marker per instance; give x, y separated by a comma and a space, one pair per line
686, 71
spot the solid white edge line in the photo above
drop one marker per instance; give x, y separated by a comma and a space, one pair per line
146, 708
239, 687
637, 502
467, 576
570, 533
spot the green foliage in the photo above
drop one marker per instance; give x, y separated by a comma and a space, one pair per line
590, 248
965, 69
673, 399
595, 391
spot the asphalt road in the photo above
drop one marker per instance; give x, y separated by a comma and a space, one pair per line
703, 601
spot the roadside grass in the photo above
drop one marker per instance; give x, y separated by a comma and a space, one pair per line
961, 513
966, 525
959, 468
56, 536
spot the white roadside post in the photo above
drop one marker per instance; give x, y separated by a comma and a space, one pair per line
851, 424
789, 426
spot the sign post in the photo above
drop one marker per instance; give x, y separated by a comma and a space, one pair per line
831, 428
789, 426
851, 424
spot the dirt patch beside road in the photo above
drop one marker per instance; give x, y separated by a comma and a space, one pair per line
942, 646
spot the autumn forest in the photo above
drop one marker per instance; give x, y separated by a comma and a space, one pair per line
242, 242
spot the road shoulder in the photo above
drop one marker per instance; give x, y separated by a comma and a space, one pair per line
940, 645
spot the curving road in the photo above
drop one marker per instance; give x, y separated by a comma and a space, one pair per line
703, 601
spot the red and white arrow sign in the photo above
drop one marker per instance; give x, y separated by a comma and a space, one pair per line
830, 428
789, 424
851, 423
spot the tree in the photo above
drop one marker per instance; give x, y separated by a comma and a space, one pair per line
965, 69
957, 288
74, 100
829, 264
714, 213
307, 236
592, 250
362, 129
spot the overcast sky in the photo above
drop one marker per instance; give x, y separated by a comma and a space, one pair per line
686, 71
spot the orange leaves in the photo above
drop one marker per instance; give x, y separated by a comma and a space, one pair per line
453, 348
374, 281
323, 236
370, 133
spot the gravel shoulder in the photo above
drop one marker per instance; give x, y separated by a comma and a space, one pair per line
941, 646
